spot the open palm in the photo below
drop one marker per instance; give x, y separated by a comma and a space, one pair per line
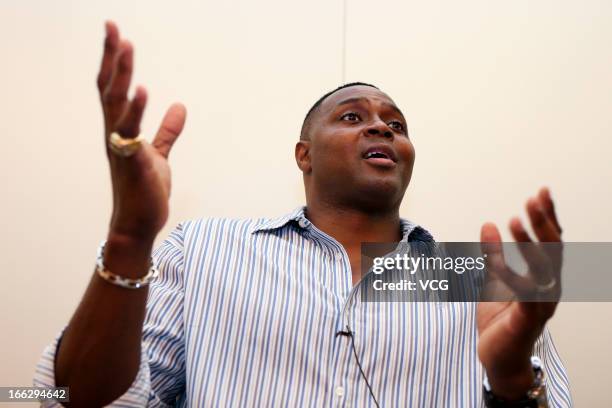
508, 330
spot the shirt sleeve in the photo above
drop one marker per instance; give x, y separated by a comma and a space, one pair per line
557, 383
161, 376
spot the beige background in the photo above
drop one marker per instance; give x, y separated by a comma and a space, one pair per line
501, 98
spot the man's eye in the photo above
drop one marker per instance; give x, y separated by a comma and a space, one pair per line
396, 125
350, 116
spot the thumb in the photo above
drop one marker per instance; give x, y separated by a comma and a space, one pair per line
170, 128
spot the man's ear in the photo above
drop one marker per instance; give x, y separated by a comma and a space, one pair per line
302, 156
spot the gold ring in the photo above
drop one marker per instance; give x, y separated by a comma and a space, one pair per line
124, 147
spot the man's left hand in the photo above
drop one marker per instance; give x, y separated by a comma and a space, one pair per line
508, 330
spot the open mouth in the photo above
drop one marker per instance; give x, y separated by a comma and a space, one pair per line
376, 155
380, 156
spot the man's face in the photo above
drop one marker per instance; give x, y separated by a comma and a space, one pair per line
359, 148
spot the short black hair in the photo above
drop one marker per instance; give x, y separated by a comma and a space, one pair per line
320, 101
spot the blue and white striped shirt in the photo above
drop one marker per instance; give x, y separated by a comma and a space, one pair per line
245, 313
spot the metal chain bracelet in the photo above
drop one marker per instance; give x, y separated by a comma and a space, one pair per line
120, 280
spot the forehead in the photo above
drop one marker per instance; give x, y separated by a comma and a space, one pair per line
357, 91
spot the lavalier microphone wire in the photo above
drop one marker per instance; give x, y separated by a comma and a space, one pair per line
349, 333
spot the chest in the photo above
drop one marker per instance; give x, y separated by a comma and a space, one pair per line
261, 324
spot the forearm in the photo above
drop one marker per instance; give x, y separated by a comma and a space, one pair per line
99, 354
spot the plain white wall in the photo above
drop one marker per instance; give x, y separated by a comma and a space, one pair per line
501, 98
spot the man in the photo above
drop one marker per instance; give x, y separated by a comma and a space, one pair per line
253, 312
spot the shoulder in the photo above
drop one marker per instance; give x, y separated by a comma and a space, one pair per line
209, 232
217, 227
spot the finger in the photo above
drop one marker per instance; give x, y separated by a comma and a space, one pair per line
490, 243
493, 251
541, 224
518, 232
115, 94
170, 128
111, 46
129, 125
555, 249
549, 207
538, 261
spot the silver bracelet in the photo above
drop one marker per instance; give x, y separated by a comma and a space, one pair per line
120, 280
536, 396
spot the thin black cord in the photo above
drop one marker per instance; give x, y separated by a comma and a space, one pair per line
349, 333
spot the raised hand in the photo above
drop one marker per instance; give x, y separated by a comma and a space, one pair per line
141, 182
509, 330
99, 354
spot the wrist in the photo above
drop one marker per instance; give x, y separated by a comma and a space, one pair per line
127, 256
511, 385
132, 230
116, 237
508, 392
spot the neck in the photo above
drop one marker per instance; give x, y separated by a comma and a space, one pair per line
351, 226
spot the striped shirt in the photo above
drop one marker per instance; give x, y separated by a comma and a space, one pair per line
247, 312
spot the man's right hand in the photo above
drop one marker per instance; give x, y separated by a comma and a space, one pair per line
141, 182
100, 351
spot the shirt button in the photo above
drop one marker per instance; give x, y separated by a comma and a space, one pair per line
340, 392
302, 223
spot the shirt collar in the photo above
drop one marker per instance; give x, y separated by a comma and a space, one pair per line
410, 230
296, 215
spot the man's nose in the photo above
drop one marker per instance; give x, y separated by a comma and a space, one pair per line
379, 128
